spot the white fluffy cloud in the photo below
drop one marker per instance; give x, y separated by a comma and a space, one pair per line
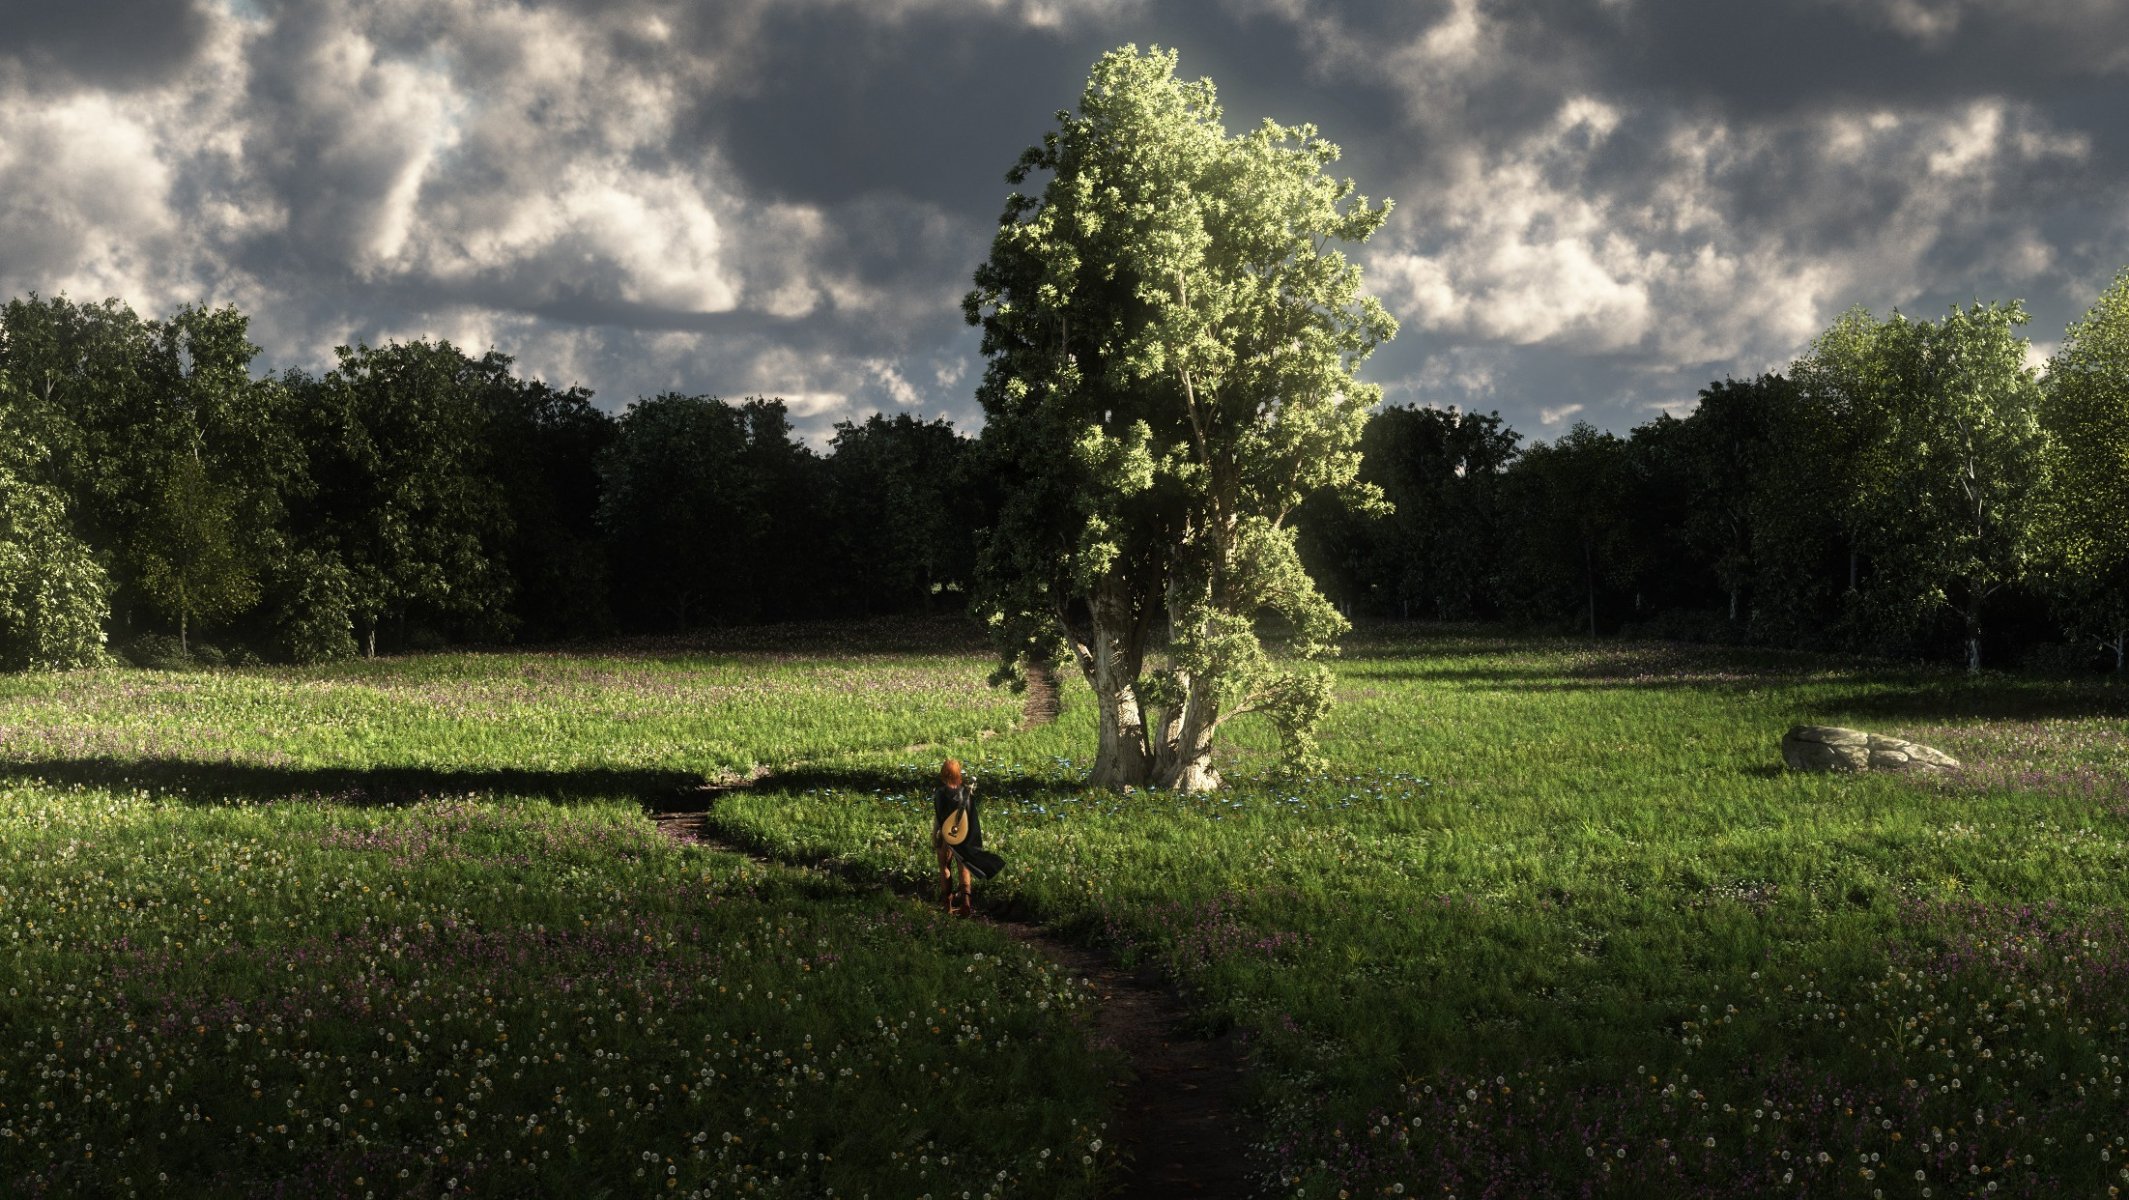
1679, 266
465, 170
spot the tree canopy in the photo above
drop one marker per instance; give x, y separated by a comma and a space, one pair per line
1173, 339
2086, 409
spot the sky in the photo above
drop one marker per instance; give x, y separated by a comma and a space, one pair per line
1601, 205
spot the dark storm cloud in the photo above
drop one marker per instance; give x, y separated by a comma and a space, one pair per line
1601, 206
118, 44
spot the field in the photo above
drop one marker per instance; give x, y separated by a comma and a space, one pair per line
1559, 924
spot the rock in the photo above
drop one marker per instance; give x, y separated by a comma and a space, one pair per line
1834, 748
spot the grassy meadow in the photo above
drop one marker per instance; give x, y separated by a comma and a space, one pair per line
1558, 924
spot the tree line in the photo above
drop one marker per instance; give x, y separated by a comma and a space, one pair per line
1909, 487
162, 498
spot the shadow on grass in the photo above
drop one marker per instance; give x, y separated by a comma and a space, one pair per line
801, 779
223, 782
1986, 700
1580, 679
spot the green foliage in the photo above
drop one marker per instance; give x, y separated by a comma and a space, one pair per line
905, 508
52, 592
547, 447
1171, 309
311, 612
1568, 501
189, 562
1439, 552
1948, 458
2086, 409
710, 510
404, 491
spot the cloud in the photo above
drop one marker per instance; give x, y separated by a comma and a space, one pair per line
114, 45
1598, 205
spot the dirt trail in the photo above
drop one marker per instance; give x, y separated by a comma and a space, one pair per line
1042, 703
1176, 1124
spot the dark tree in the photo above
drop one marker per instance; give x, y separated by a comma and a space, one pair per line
1567, 526
404, 495
545, 448
906, 511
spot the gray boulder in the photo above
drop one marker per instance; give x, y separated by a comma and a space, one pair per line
1834, 748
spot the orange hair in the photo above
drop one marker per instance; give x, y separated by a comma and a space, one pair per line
950, 774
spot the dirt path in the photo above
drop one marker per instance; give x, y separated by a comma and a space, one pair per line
1176, 1124
1042, 702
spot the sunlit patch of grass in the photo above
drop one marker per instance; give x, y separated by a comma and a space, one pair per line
1562, 907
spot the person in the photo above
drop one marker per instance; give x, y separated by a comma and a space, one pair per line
957, 840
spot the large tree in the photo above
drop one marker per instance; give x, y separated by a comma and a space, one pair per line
1950, 458
1173, 340
2086, 408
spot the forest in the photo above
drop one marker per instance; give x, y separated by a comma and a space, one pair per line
1909, 488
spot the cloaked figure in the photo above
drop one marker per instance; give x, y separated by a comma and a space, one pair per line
957, 839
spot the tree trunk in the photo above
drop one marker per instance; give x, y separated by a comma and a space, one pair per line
1973, 616
2121, 643
183, 646
372, 648
1120, 759
1185, 761
1589, 581
1111, 658
1851, 570
1733, 606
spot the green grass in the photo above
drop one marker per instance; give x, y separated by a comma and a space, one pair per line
1562, 919
402, 929
1558, 922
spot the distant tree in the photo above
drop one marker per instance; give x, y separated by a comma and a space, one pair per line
1731, 441
1651, 558
189, 561
52, 592
1567, 517
680, 512
1438, 552
905, 508
119, 401
404, 491
1951, 457
83, 389
1172, 342
789, 564
544, 454
2086, 408
310, 611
